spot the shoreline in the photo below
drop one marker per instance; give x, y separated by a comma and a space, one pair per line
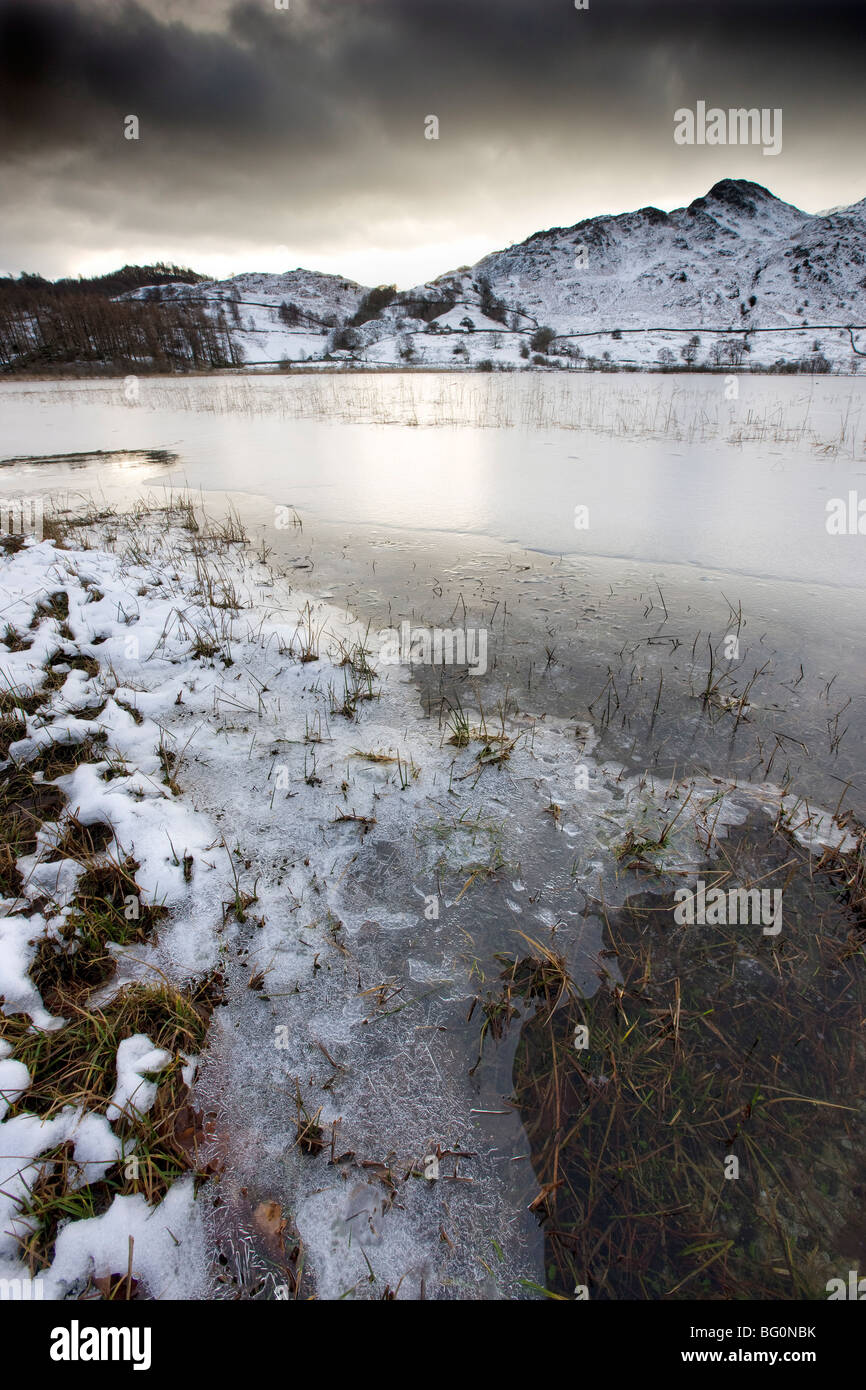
341, 875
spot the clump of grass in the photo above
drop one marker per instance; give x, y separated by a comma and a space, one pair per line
14, 701
107, 908
357, 655
460, 727
83, 842
498, 1012
714, 698
14, 641
495, 752
76, 1065
310, 1135
169, 1140
241, 899
59, 1193
496, 745
848, 870
12, 728
10, 876
136, 714
169, 762
28, 799
59, 758
204, 647
542, 974
25, 804
214, 582
639, 848
229, 531
54, 605
60, 663
308, 635
357, 689
407, 772
187, 519
54, 528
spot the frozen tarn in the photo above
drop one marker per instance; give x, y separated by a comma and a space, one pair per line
358, 873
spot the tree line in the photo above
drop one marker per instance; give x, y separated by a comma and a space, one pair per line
47, 324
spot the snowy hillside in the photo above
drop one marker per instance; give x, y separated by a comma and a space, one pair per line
756, 280
315, 305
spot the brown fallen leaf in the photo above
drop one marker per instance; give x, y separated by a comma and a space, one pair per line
189, 1128
117, 1287
270, 1223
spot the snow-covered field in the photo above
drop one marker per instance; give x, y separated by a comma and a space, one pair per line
293, 837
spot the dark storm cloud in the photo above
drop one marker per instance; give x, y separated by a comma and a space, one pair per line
78, 62
309, 122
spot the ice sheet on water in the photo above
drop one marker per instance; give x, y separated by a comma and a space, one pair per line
356, 907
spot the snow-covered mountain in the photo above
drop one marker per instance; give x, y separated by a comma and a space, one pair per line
752, 277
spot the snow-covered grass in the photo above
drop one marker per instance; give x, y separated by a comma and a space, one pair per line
211, 787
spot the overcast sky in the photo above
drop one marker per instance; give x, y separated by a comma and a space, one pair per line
272, 138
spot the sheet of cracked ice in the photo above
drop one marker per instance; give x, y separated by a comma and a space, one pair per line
363, 1008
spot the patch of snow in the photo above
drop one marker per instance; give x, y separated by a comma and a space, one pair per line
135, 1093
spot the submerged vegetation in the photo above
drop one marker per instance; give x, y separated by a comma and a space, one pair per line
696, 1125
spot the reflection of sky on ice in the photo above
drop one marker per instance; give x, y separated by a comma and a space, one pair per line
670, 472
